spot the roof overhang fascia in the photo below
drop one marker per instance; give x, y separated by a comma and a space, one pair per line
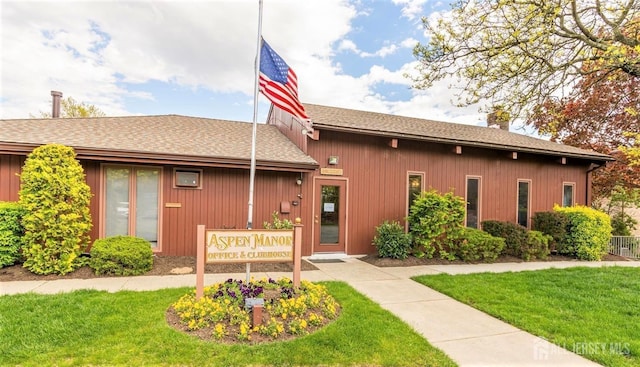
431, 139
168, 159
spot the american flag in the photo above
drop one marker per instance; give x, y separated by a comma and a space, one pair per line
279, 83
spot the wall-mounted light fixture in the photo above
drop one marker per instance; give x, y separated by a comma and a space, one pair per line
333, 159
307, 131
299, 180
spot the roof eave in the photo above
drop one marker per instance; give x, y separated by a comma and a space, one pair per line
599, 158
169, 159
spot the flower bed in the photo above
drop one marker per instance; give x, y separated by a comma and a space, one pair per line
221, 314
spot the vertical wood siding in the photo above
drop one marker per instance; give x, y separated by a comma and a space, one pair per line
221, 203
377, 187
378, 179
10, 168
92, 176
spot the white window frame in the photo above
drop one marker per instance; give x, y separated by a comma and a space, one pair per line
408, 182
132, 196
529, 191
573, 192
466, 199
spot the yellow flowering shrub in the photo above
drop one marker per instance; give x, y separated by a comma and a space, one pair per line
287, 311
219, 331
588, 232
273, 328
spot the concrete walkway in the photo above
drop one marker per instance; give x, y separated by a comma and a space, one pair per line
468, 336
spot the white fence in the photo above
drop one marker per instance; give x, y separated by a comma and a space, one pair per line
627, 246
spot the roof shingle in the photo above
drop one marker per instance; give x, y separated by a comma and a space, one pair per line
342, 119
171, 135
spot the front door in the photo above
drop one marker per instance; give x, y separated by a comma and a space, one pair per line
329, 218
132, 202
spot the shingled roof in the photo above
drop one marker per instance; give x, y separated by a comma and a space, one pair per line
170, 138
372, 123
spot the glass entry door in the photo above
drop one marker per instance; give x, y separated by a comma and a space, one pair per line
330, 216
132, 199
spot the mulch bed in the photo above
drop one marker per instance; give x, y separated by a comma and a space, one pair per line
162, 265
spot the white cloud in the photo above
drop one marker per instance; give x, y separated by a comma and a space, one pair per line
348, 45
107, 53
409, 43
389, 49
88, 49
411, 9
382, 52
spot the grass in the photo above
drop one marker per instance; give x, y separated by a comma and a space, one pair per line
594, 312
128, 328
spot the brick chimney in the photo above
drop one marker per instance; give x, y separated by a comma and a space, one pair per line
498, 119
55, 110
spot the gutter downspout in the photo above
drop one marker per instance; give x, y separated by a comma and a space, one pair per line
587, 179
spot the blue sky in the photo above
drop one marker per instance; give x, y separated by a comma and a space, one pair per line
195, 58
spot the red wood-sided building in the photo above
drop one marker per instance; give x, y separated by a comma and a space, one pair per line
158, 177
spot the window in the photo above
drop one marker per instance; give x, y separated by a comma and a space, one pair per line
132, 202
187, 178
473, 202
414, 188
524, 194
567, 194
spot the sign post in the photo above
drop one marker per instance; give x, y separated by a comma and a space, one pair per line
297, 252
200, 260
248, 246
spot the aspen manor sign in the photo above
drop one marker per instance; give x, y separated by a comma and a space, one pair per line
227, 246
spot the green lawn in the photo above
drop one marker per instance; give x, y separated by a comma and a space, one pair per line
128, 328
594, 312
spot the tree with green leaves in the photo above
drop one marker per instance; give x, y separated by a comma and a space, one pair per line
70, 108
518, 53
57, 221
602, 118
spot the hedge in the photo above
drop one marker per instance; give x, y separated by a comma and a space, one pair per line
11, 232
476, 245
588, 232
121, 255
435, 220
56, 197
392, 241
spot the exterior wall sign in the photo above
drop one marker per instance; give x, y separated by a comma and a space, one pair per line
246, 246
331, 171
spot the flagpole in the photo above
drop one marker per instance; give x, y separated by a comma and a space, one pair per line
252, 171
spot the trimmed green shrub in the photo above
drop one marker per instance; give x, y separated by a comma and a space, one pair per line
553, 224
121, 255
57, 221
392, 241
536, 247
588, 232
277, 222
435, 220
515, 235
11, 232
477, 245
